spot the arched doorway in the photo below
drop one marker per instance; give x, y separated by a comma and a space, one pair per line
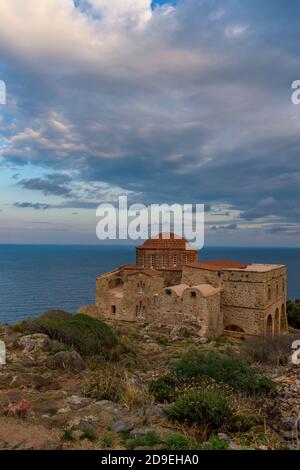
283, 321
269, 328
276, 323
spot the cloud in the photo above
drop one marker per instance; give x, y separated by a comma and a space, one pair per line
48, 186
224, 227
182, 104
29, 205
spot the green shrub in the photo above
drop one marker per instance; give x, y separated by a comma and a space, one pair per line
222, 368
214, 443
88, 433
293, 313
68, 434
107, 441
151, 439
164, 389
204, 408
244, 421
87, 335
178, 441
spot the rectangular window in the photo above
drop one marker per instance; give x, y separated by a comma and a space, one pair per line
152, 261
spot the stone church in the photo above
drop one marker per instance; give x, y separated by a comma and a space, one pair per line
169, 286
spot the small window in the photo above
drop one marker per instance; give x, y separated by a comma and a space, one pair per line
269, 293
175, 260
163, 261
168, 292
152, 261
143, 260
141, 287
140, 310
113, 309
193, 295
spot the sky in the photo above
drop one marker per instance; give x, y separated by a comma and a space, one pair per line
185, 101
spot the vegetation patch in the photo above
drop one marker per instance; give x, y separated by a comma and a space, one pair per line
114, 384
223, 368
274, 351
151, 439
164, 389
107, 441
293, 313
178, 441
205, 408
87, 335
215, 443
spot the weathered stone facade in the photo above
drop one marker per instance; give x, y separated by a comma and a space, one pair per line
214, 297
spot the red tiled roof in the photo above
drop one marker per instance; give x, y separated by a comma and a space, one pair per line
217, 265
170, 243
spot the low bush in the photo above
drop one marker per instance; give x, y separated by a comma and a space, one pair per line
178, 441
164, 389
88, 433
244, 420
215, 443
68, 434
151, 439
293, 313
107, 441
204, 408
87, 335
223, 368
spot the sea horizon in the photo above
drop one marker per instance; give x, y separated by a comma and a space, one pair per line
35, 278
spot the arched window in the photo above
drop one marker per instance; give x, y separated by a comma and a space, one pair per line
269, 328
277, 323
141, 287
140, 310
113, 310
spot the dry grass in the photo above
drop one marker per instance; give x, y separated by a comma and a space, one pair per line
113, 383
274, 351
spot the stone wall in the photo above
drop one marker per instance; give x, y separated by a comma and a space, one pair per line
194, 276
126, 295
181, 305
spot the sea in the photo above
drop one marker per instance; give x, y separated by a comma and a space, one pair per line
37, 278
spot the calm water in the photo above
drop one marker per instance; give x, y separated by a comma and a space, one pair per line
37, 278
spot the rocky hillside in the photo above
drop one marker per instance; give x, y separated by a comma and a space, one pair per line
126, 387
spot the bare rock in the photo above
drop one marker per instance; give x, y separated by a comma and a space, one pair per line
66, 360
76, 403
122, 426
35, 342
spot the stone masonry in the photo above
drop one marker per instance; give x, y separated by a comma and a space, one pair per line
169, 286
